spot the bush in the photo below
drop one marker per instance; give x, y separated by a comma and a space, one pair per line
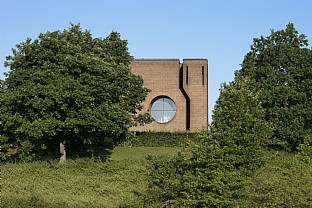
200, 176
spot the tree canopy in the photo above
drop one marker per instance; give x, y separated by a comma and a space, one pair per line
280, 66
238, 122
70, 87
213, 171
268, 103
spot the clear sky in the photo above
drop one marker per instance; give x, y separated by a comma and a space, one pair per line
219, 30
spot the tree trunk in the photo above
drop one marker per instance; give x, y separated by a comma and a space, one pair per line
63, 152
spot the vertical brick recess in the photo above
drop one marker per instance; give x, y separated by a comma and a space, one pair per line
162, 77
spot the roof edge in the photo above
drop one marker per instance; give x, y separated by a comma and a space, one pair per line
195, 59
156, 59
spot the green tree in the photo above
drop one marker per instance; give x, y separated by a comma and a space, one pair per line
238, 123
214, 171
280, 66
69, 87
115, 49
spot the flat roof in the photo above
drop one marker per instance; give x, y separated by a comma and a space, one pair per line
195, 59
160, 59
169, 59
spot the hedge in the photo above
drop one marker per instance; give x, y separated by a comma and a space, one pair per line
161, 139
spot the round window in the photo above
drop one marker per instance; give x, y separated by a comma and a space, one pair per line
163, 109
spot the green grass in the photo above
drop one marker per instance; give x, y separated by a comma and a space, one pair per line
119, 182
121, 153
283, 181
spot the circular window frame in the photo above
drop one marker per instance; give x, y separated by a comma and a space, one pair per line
163, 111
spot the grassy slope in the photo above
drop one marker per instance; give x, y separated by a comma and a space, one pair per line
80, 183
282, 182
121, 181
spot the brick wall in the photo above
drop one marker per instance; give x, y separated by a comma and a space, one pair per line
197, 90
162, 77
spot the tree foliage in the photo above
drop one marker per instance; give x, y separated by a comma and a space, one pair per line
213, 172
238, 123
201, 176
280, 66
68, 86
268, 103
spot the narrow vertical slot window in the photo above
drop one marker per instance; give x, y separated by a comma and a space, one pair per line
203, 75
186, 77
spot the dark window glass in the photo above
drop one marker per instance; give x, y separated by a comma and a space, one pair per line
203, 75
186, 77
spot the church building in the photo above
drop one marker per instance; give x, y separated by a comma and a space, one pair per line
178, 100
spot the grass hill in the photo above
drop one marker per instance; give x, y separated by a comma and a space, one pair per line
122, 181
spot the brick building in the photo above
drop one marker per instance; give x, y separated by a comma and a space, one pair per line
178, 100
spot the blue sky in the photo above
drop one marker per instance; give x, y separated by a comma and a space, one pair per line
219, 30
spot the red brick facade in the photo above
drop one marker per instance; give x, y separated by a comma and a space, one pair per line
186, 84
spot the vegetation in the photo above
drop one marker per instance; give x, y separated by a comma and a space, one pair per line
118, 182
213, 173
122, 181
70, 88
232, 165
280, 67
161, 139
238, 123
285, 180
268, 104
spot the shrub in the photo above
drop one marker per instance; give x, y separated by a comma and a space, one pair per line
200, 176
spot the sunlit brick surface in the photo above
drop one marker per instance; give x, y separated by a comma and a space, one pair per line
163, 78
